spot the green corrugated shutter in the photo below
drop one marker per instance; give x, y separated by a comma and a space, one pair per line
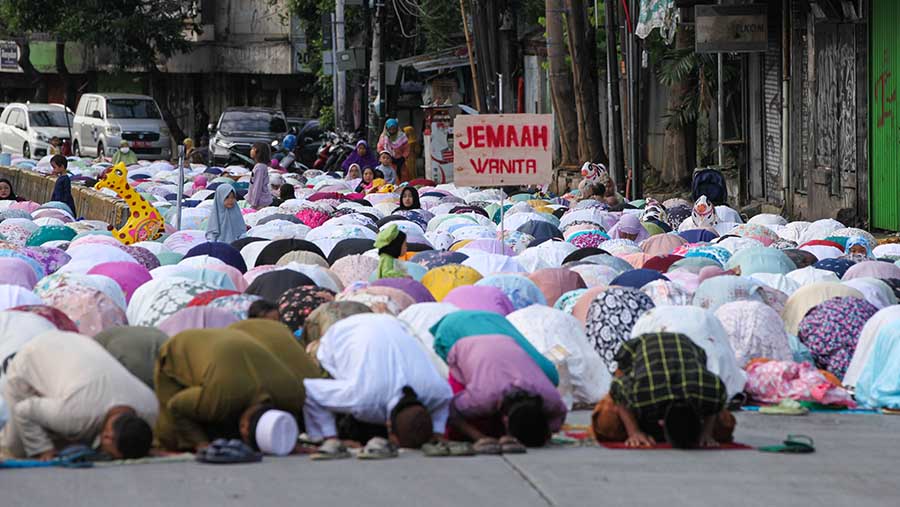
884, 115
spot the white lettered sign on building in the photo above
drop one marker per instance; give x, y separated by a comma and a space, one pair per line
492, 150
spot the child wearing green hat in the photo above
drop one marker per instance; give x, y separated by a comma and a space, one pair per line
391, 244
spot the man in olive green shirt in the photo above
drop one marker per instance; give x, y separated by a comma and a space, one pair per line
216, 383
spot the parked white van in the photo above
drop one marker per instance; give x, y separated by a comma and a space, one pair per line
102, 120
26, 129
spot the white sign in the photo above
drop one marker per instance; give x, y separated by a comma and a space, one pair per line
503, 149
9, 56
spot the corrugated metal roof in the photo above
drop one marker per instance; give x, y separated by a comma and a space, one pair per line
438, 61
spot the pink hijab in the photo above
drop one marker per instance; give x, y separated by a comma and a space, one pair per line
128, 275
199, 184
197, 317
484, 298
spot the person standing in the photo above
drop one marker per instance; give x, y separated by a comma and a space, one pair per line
260, 195
62, 190
394, 142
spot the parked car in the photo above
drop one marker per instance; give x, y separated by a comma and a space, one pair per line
239, 127
102, 120
26, 129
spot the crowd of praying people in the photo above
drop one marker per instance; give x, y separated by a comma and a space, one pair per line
342, 314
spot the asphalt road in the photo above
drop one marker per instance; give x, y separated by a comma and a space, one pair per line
856, 465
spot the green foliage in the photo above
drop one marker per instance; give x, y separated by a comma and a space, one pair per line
699, 72
441, 23
139, 32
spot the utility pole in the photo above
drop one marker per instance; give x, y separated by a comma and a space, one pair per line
376, 74
471, 51
341, 99
334, 79
617, 150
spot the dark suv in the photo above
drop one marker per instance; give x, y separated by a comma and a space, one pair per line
239, 127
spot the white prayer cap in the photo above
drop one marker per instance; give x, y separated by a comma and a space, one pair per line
277, 432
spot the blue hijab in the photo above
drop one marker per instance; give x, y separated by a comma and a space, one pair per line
225, 225
637, 278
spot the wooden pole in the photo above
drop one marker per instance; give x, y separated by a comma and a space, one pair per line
465, 20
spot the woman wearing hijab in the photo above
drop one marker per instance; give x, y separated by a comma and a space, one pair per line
703, 215
629, 227
259, 195
226, 223
200, 183
391, 244
368, 176
409, 199
353, 173
394, 142
362, 156
7, 193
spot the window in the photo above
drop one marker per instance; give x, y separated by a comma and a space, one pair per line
132, 108
252, 121
90, 107
49, 118
16, 119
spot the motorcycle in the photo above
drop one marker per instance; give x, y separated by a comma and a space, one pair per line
333, 153
284, 152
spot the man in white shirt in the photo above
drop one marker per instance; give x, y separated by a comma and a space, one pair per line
381, 376
64, 388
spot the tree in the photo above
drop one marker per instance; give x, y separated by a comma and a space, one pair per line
139, 33
583, 51
561, 89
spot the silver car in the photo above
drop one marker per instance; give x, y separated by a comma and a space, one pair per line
26, 129
103, 120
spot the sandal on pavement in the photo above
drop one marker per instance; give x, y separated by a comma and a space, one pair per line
436, 449
487, 445
510, 445
786, 407
331, 449
378, 448
223, 452
795, 444
461, 449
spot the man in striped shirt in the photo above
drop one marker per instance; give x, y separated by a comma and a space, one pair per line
663, 391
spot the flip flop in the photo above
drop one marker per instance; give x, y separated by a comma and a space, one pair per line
488, 446
461, 449
378, 448
795, 444
226, 452
510, 445
436, 449
329, 450
786, 407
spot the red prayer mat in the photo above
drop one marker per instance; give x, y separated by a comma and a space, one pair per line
733, 446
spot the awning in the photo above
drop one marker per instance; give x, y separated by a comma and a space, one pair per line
434, 62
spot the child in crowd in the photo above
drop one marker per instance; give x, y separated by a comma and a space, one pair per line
387, 167
62, 191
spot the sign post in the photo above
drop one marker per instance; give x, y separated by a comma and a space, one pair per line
180, 187
500, 150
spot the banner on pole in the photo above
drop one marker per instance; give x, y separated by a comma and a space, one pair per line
502, 149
